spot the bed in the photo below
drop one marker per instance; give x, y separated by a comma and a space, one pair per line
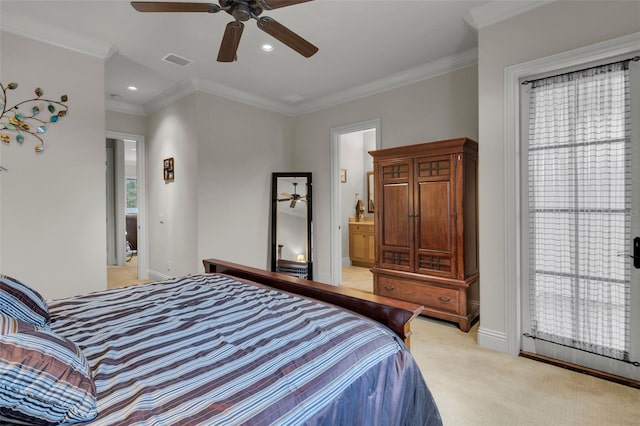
232, 346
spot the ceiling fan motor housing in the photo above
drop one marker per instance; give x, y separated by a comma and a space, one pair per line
242, 10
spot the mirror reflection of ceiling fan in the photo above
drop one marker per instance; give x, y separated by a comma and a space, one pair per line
294, 198
241, 10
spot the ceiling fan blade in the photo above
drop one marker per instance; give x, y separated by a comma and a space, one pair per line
170, 6
275, 4
286, 36
230, 42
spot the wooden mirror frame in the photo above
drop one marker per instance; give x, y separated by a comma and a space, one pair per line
274, 223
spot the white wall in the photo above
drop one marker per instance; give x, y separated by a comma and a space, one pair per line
172, 207
551, 29
220, 201
239, 147
442, 107
52, 204
126, 123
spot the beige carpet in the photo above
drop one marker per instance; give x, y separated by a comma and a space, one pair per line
477, 387
356, 277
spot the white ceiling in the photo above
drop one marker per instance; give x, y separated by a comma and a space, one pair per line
364, 47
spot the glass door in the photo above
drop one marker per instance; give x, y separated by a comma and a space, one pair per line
581, 301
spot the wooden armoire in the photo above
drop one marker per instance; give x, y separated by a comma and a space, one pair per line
426, 227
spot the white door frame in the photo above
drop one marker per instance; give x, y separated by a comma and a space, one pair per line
111, 235
143, 238
512, 225
336, 231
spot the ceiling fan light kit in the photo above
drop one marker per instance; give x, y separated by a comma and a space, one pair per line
241, 10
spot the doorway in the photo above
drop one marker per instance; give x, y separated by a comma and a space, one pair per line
350, 163
127, 254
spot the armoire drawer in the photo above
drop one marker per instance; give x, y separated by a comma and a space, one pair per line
431, 296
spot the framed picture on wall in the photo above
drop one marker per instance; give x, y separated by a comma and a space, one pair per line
168, 169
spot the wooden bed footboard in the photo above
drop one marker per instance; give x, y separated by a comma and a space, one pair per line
395, 314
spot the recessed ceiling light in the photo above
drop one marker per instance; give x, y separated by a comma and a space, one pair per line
267, 47
132, 88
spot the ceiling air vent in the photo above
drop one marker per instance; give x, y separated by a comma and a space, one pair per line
177, 60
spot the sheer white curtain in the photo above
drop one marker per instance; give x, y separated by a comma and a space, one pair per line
579, 209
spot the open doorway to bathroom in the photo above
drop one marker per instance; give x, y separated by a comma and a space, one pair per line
352, 186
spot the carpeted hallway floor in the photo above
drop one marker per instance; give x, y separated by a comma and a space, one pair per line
127, 274
474, 386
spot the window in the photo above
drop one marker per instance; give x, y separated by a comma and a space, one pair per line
131, 190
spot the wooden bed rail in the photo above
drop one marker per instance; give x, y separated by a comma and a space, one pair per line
395, 314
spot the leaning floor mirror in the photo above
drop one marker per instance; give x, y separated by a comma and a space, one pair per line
291, 224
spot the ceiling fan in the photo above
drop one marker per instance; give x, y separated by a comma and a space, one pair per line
294, 198
241, 10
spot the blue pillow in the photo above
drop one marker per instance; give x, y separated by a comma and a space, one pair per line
22, 302
44, 378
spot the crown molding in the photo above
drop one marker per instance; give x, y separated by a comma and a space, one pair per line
191, 85
206, 86
171, 95
413, 75
497, 11
124, 107
40, 31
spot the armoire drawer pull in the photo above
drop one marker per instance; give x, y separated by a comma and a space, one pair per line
444, 299
388, 288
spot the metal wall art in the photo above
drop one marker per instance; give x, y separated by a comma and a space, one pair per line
30, 116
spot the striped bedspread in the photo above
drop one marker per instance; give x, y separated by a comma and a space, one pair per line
211, 350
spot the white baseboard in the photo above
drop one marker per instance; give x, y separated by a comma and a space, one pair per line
158, 276
491, 339
346, 261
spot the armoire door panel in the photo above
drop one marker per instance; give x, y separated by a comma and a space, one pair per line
396, 226
435, 229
